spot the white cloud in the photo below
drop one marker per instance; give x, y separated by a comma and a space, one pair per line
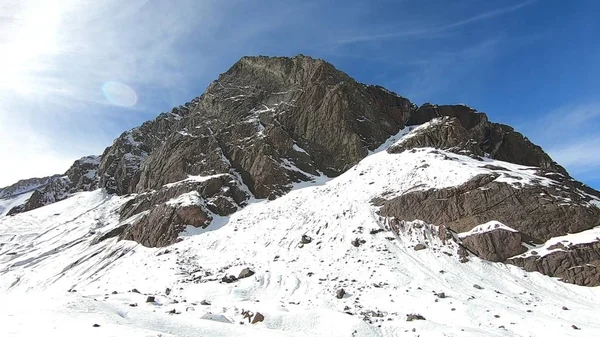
490, 14
580, 156
26, 153
414, 29
56, 55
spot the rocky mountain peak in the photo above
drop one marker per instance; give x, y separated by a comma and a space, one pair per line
270, 123
297, 70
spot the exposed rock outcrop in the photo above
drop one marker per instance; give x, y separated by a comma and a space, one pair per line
159, 216
162, 225
83, 174
536, 210
578, 264
496, 245
462, 129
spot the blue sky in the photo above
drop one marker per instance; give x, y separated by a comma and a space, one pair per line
531, 64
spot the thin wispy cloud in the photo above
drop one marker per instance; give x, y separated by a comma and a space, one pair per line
581, 156
407, 31
489, 15
570, 135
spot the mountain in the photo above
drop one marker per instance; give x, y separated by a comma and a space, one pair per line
29, 194
292, 190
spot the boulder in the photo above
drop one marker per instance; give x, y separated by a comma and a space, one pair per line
246, 272
420, 246
215, 317
358, 242
228, 279
414, 317
258, 317
496, 245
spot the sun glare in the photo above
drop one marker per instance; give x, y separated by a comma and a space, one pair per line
35, 28
119, 93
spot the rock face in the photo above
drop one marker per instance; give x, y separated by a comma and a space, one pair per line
159, 216
83, 174
265, 123
578, 264
162, 225
496, 245
270, 119
119, 170
461, 129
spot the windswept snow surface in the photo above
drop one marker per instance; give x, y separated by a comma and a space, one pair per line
48, 251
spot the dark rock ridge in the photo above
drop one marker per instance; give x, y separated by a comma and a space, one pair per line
537, 212
461, 129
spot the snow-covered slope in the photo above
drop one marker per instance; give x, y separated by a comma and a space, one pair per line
303, 247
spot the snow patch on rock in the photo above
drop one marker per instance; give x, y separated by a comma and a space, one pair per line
487, 227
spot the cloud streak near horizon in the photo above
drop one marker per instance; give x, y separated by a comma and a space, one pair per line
571, 135
76, 73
